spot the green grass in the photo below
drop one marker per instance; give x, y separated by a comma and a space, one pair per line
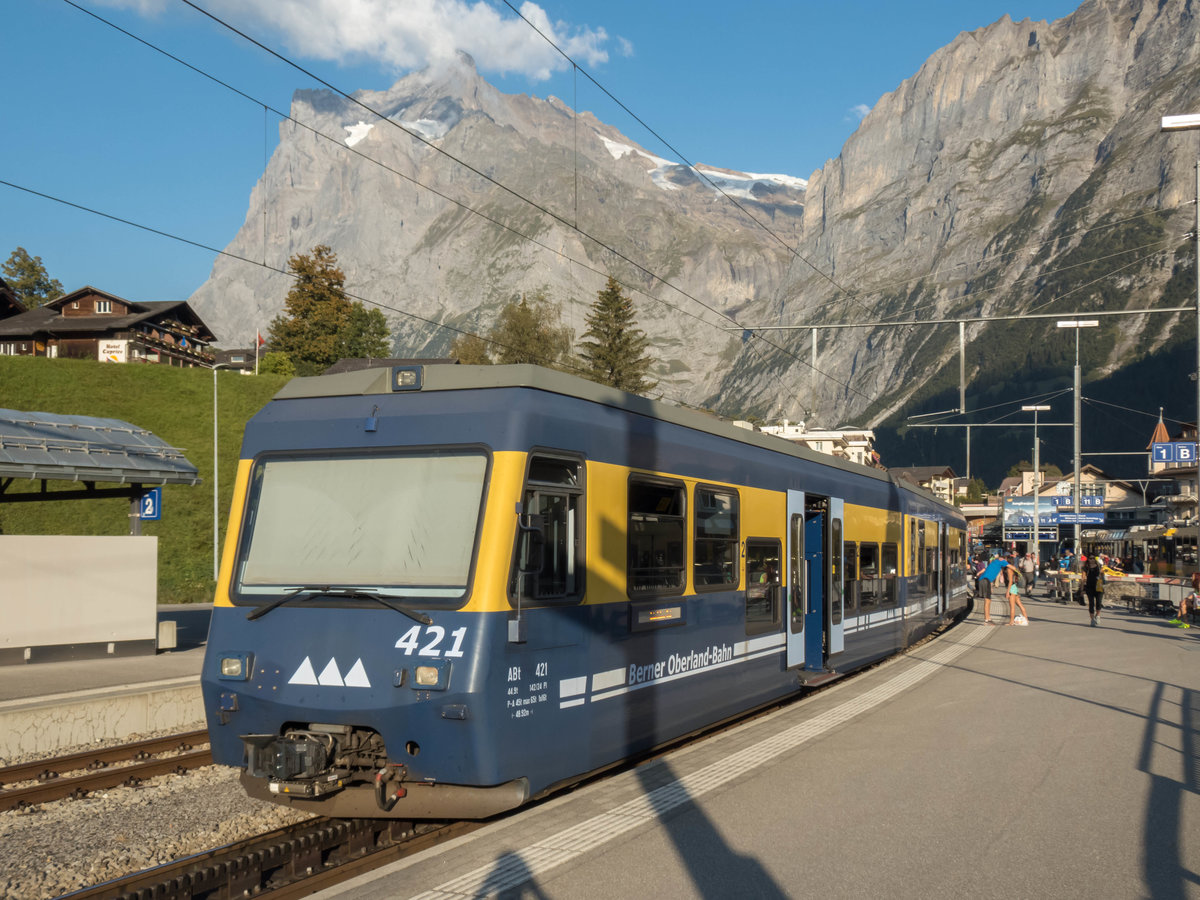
175, 404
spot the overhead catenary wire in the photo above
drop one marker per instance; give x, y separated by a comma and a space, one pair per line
654, 277
584, 265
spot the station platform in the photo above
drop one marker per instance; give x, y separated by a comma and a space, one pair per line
46, 706
1054, 760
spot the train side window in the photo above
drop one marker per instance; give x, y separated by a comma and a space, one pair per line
763, 586
850, 575
870, 579
891, 560
656, 563
554, 493
715, 551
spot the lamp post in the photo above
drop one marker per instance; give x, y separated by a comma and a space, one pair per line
216, 528
1191, 123
1037, 476
1077, 324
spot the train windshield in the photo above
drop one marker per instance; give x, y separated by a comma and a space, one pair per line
402, 525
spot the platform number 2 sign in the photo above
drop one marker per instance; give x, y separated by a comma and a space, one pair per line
152, 505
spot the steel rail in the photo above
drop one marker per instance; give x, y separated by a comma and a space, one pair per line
144, 760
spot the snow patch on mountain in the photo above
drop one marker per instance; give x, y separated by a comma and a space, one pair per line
357, 132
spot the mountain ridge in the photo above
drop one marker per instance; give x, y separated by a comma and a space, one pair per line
960, 194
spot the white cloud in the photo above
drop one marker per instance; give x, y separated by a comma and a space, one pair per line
409, 34
858, 112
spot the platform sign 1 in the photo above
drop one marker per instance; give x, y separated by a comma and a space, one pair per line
151, 506
1085, 500
1181, 452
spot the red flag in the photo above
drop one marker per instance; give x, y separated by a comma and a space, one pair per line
261, 340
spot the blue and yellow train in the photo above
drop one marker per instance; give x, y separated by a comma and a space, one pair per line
446, 590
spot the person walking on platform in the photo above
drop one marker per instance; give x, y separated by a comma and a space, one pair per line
1092, 587
1028, 567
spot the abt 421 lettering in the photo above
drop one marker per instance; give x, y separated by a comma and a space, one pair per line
429, 640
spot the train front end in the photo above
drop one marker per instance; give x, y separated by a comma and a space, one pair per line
347, 651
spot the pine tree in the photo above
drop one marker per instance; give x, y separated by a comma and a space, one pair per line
616, 352
27, 277
320, 325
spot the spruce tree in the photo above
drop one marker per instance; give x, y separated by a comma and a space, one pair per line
615, 353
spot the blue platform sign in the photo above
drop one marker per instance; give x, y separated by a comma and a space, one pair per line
1083, 518
1181, 452
151, 508
1085, 500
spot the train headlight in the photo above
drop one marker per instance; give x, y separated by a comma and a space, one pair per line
432, 677
236, 666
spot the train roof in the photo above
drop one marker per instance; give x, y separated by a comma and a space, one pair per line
387, 380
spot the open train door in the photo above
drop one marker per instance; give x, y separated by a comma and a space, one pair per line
796, 579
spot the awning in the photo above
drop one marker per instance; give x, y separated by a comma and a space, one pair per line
56, 447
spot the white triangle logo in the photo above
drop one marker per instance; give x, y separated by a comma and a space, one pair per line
357, 676
330, 676
304, 674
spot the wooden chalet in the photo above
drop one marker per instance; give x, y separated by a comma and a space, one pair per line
9, 304
93, 324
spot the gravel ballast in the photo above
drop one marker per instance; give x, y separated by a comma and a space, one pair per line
59, 847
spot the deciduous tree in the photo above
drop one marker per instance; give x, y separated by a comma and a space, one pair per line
320, 325
27, 276
529, 330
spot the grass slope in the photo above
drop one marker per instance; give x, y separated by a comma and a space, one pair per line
175, 404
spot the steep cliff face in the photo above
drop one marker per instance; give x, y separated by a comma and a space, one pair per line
433, 241
1020, 170
1019, 153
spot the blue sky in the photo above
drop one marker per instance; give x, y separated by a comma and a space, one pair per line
97, 119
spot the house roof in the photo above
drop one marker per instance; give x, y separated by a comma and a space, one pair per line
922, 473
48, 320
39, 445
1160, 435
10, 304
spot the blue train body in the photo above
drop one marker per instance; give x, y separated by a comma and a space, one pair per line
446, 590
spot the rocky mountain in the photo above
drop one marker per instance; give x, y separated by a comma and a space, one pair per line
1020, 170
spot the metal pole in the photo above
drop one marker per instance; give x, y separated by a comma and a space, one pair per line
1075, 492
216, 534
1037, 471
1198, 362
962, 386
812, 400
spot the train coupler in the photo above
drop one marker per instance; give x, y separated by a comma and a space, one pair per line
386, 777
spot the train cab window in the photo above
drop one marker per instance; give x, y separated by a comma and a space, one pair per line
891, 562
763, 586
657, 537
553, 494
715, 552
870, 593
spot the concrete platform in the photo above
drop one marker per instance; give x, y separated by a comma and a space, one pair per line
1058, 760
46, 706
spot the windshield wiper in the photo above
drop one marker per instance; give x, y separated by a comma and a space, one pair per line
358, 594
330, 591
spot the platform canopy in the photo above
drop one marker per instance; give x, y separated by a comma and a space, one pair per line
49, 446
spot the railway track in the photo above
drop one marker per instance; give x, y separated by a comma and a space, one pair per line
77, 774
293, 861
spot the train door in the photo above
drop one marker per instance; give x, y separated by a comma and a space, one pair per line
796, 570
815, 608
944, 569
837, 628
